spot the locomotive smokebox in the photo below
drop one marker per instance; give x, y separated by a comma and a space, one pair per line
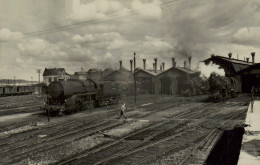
56, 89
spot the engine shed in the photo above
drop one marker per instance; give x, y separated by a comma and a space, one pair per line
170, 81
250, 77
144, 80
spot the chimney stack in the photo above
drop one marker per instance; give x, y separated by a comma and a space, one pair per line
144, 60
247, 60
253, 57
120, 62
184, 64
173, 62
189, 62
155, 65
163, 64
131, 65
229, 55
160, 67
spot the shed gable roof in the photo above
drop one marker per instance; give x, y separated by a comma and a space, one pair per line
54, 71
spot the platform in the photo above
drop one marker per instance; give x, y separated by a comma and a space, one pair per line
250, 149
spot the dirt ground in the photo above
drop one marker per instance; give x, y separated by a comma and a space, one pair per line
160, 129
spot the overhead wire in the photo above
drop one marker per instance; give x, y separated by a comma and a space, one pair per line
87, 21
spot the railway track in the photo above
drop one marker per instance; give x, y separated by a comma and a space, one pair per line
79, 132
125, 150
65, 136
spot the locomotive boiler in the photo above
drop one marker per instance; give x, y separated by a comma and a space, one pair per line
65, 97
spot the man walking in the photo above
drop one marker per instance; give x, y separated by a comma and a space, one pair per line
122, 112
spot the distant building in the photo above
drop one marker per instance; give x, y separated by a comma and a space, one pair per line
98, 75
80, 75
121, 79
54, 74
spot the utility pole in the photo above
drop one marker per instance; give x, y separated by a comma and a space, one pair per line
134, 75
39, 71
14, 80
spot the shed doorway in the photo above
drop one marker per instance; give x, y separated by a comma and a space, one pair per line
166, 85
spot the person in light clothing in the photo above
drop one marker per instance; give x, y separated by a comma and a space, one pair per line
122, 111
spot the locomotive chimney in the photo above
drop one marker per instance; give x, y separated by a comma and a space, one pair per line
184, 64
229, 55
131, 65
189, 62
253, 57
144, 60
163, 64
247, 60
155, 65
173, 62
120, 62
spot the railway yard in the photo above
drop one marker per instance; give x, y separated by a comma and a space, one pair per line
160, 129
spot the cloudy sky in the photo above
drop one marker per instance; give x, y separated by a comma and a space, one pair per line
99, 33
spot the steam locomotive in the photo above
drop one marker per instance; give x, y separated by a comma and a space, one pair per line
223, 88
65, 97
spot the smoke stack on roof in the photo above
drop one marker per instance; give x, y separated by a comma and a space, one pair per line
229, 55
253, 57
120, 62
184, 64
163, 64
155, 65
212, 55
144, 60
131, 65
247, 60
173, 62
189, 62
160, 67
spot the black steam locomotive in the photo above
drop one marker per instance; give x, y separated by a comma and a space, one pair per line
65, 97
223, 88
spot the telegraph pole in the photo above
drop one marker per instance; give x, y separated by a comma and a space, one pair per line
39, 71
134, 75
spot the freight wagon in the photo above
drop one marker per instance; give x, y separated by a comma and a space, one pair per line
8, 90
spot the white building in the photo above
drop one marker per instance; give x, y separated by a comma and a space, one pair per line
55, 74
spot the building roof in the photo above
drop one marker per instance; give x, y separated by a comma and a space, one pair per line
216, 59
151, 72
119, 75
230, 65
254, 69
54, 71
181, 69
81, 73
